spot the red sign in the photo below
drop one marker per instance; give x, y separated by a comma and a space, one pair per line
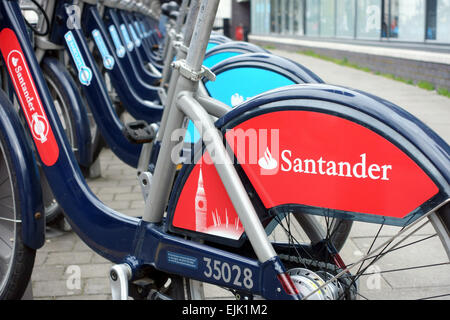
306, 158
326, 161
204, 205
29, 98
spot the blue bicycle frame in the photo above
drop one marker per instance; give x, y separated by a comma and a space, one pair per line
140, 52
140, 99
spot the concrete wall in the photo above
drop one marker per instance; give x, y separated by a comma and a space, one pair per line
410, 67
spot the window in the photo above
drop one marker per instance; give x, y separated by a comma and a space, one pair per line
298, 11
286, 16
312, 17
443, 21
430, 31
279, 16
273, 16
346, 14
394, 18
327, 18
260, 16
411, 21
403, 19
368, 19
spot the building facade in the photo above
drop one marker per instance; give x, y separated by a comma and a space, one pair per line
419, 21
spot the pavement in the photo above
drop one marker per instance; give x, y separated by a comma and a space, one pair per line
66, 268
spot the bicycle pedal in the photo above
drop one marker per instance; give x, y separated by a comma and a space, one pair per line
140, 132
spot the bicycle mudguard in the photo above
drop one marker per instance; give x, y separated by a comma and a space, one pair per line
241, 77
216, 40
257, 73
229, 49
317, 149
26, 175
83, 153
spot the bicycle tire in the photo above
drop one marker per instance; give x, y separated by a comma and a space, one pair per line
182, 288
20, 261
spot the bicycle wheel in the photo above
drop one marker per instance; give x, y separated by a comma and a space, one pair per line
376, 261
16, 259
385, 262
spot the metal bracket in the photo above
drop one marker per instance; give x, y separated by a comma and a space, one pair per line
118, 278
180, 47
145, 181
162, 95
193, 75
175, 36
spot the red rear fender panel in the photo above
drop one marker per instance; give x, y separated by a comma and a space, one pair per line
306, 158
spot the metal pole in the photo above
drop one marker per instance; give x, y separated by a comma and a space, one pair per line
165, 166
230, 179
187, 36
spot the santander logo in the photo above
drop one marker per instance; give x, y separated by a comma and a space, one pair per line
323, 161
38, 123
362, 169
28, 97
267, 162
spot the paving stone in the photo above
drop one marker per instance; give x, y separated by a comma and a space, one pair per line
122, 189
97, 270
71, 258
81, 246
97, 286
96, 258
48, 272
51, 289
129, 196
58, 245
85, 297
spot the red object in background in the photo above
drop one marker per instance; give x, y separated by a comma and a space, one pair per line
239, 33
28, 96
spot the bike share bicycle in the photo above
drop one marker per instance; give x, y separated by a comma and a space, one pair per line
65, 87
315, 123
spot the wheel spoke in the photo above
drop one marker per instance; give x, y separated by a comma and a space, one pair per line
407, 268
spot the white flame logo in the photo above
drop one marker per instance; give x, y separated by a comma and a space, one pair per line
40, 127
267, 162
236, 99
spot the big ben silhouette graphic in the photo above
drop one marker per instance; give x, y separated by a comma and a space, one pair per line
200, 205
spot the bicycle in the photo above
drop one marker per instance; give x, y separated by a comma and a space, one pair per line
391, 149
